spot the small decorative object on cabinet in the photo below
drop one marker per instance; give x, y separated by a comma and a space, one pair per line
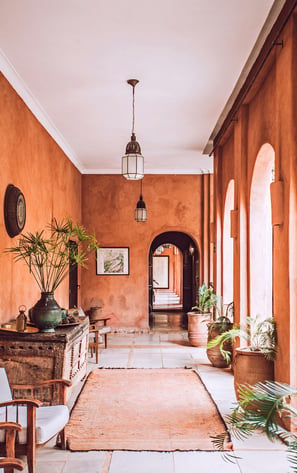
49, 254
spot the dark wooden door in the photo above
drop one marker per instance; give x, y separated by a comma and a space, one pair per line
73, 280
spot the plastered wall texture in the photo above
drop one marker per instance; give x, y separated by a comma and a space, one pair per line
173, 204
32, 161
267, 116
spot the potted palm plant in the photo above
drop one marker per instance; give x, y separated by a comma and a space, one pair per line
201, 314
267, 407
255, 362
49, 255
222, 324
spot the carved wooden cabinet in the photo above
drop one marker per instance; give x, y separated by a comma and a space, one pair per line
31, 357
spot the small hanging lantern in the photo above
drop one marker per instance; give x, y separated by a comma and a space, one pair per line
132, 161
140, 211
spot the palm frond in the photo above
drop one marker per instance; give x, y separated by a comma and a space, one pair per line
49, 255
292, 456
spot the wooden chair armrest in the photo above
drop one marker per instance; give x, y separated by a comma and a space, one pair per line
39, 384
39, 389
20, 402
103, 319
10, 426
12, 463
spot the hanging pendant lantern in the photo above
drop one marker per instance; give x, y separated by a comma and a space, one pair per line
132, 161
140, 211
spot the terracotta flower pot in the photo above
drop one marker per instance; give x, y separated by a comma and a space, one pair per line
214, 354
197, 328
251, 367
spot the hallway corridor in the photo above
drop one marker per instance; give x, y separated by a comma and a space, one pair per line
161, 349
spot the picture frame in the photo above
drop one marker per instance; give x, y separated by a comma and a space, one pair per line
112, 261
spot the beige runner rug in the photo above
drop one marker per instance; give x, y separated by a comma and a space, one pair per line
143, 409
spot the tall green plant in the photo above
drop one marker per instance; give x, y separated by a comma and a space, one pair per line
207, 299
49, 258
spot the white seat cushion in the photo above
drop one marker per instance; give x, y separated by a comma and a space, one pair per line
5, 391
50, 420
104, 330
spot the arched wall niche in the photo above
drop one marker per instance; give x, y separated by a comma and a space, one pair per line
228, 259
260, 235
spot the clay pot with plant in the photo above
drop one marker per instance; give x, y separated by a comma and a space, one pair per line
49, 256
254, 362
222, 324
201, 314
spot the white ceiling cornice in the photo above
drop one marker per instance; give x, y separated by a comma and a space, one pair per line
271, 19
26, 95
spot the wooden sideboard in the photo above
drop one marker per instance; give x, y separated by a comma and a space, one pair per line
32, 357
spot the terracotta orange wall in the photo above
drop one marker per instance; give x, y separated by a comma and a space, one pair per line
173, 204
268, 115
32, 161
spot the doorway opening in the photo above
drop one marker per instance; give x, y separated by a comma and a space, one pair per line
173, 280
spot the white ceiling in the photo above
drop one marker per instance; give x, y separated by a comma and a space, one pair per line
70, 59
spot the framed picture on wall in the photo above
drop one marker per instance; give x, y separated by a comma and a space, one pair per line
112, 261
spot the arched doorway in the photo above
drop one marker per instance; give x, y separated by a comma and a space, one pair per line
182, 270
261, 235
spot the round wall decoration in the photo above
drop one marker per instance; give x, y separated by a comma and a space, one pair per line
14, 210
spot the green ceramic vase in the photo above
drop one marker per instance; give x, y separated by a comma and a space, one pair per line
46, 313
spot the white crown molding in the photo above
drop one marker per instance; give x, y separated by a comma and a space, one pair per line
183, 171
270, 20
26, 95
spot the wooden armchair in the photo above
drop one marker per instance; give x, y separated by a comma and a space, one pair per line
98, 329
39, 422
10, 463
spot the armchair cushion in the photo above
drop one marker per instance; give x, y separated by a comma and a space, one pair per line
49, 421
5, 391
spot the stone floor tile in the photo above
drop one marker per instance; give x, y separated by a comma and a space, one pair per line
113, 360
84, 462
175, 361
146, 361
203, 462
257, 442
141, 462
50, 452
147, 350
47, 467
263, 462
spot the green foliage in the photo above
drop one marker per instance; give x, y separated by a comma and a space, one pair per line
207, 299
49, 255
262, 408
260, 335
